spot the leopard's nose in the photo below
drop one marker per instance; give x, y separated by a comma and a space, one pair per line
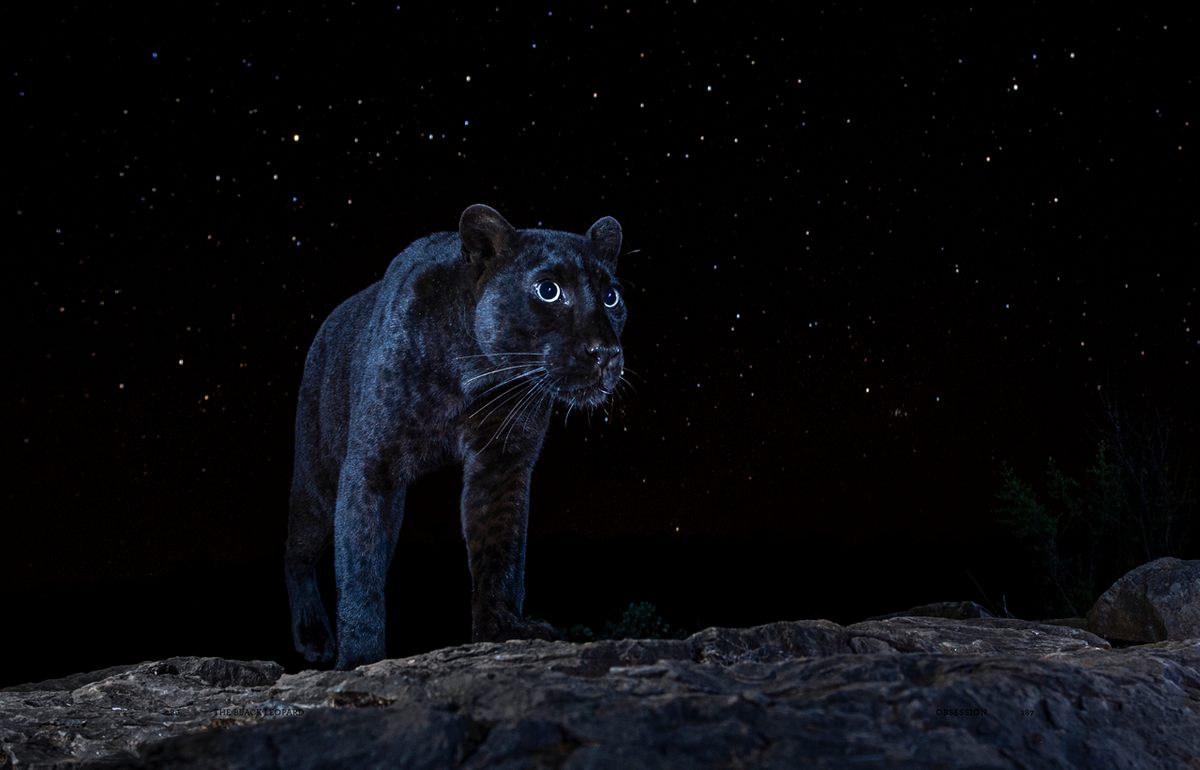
605, 356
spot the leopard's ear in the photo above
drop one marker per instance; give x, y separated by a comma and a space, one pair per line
605, 237
485, 234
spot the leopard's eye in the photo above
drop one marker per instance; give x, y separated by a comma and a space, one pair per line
612, 298
547, 291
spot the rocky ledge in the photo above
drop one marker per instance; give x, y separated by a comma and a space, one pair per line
898, 692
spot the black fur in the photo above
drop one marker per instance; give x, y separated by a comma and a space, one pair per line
412, 372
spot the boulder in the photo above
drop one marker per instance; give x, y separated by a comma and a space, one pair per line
904, 692
1158, 601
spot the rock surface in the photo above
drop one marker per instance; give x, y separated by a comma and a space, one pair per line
905, 692
1157, 601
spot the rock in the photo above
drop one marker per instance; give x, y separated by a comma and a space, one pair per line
952, 610
974, 636
904, 692
72, 682
115, 711
772, 642
1157, 601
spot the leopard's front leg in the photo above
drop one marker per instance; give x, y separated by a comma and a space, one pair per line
495, 516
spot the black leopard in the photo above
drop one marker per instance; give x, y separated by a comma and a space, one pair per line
458, 354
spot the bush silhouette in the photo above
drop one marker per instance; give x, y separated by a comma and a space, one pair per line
639, 620
1133, 504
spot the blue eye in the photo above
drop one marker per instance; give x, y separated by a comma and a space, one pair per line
547, 291
612, 298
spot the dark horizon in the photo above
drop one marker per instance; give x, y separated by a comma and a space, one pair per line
871, 259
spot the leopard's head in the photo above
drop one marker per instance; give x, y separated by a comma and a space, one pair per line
548, 307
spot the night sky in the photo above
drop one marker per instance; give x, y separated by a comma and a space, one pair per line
871, 256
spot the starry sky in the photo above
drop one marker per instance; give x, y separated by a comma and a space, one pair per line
871, 256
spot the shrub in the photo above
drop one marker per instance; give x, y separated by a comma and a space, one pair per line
640, 620
1133, 504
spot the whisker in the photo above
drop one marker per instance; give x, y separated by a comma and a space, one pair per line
548, 397
493, 355
505, 396
635, 374
516, 411
524, 393
504, 382
525, 412
497, 370
532, 388
547, 401
514, 378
